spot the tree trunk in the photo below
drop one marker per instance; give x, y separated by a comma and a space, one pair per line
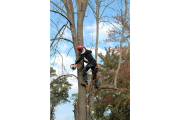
121, 42
76, 111
78, 40
82, 104
90, 100
97, 28
91, 90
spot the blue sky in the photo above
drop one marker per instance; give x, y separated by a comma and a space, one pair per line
89, 34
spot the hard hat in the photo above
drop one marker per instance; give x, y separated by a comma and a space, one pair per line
80, 47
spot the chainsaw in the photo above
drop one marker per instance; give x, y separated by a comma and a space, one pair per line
73, 66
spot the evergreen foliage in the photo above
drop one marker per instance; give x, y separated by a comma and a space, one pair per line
114, 104
59, 88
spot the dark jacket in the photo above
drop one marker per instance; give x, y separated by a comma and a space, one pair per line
86, 56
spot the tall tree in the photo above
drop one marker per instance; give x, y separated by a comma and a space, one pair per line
123, 19
98, 16
113, 73
77, 39
124, 23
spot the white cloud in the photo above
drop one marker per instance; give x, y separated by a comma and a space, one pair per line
67, 34
74, 81
67, 61
99, 51
103, 28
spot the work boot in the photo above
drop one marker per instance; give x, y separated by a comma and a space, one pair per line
84, 83
96, 86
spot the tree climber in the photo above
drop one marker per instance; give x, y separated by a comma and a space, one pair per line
91, 63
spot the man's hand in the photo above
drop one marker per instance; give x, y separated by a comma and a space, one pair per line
74, 64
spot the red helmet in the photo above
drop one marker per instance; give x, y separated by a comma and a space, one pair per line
80, 47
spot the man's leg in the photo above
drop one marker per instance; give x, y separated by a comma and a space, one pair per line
84, 71
95, 77
85, 74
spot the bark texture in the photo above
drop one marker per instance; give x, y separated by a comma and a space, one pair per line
76, 111
77, 36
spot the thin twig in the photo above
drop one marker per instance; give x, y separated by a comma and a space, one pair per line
58, 7
62, 38
54, 23
110, 23
69, 51
68, 75
106, 87
92, 9
56, 35
105, 8
61, 14
60, 35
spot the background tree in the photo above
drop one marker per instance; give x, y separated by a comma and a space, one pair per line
52, 72
59, 88
98, 18
111, 71
95, 6
114, 104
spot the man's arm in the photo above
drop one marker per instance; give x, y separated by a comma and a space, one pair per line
81, 57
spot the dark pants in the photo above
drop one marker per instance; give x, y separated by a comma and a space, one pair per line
94, 72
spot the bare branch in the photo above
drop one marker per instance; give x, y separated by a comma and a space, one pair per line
53, 62
110, 23
68, 27
56, 35
61, 14
92, 9
54, 23
64, 29
69, 51
61, 77
62, 61
60, 35
62, 38
58, 7
117, 11
105, 8
106, 16
68, 75
106, 87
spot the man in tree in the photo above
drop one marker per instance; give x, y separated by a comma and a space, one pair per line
91, 63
